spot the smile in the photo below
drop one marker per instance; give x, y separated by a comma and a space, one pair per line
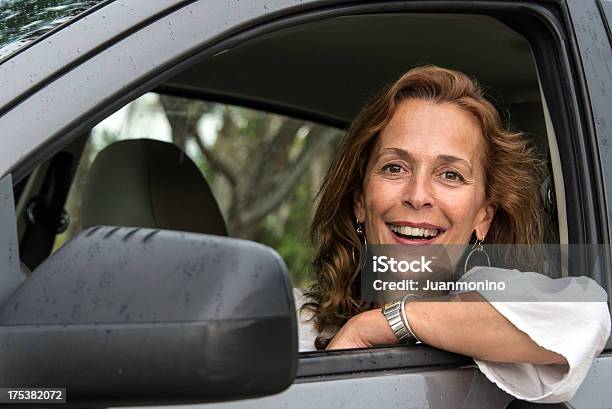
422, 233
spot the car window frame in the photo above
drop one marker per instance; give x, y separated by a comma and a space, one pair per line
589, 23
22, 70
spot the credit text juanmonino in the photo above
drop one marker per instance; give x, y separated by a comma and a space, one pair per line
384, 264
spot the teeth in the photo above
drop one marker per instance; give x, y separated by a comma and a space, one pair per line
414, 231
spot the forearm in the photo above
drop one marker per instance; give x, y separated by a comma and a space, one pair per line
475, 329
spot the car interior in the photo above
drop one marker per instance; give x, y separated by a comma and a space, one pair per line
173, 197
322, 71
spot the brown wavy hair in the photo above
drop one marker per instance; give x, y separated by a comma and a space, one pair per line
510, 163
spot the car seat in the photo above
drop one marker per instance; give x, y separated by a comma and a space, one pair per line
149, 183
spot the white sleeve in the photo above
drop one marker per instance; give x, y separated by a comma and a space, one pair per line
567, 315
306, 329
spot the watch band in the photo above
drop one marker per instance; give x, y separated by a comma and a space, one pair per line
405, 318
396, 317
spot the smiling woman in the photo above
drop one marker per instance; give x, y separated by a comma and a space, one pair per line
429, 162
419, 160
428, 155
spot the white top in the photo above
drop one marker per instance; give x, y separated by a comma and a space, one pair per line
577, 330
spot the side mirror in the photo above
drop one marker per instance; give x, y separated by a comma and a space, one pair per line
123, 316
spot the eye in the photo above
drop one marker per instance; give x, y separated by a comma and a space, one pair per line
452, 176
392, 168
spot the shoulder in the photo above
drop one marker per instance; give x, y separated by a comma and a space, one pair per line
306, 329
515, 285
300, 297
305, 315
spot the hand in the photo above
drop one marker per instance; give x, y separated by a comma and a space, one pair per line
363, 331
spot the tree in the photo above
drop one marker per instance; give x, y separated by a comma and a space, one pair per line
264, 169
263, 160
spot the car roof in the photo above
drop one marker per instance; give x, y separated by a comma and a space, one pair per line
23, 22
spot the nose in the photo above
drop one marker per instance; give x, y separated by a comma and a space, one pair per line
417, 193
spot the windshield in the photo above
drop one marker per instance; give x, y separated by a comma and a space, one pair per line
23, 21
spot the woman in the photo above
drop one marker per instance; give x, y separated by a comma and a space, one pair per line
428, 162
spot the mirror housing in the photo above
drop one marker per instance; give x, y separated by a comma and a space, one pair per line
126, 316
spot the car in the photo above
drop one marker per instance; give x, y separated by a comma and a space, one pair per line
160, 159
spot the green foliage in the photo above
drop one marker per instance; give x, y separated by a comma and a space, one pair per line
291, 240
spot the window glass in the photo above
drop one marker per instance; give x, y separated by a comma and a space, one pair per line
23, 21
264, 169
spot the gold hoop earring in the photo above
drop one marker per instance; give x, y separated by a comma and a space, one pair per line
476, 248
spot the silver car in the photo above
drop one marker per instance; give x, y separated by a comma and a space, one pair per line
159, 160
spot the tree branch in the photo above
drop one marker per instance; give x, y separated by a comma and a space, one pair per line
277, 148
182, 129
217, 163
289, 183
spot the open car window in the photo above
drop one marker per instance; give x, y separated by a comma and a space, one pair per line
264, 169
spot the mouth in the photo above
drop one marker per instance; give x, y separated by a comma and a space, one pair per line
415, 233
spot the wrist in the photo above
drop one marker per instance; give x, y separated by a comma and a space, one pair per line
372, 326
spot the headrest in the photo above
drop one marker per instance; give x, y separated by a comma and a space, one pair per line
149, 183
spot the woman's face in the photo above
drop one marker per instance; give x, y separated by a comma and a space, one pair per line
424, 182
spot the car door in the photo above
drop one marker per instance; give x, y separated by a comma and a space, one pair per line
73, 90
590, 22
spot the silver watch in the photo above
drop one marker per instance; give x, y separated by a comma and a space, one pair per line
396, 317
